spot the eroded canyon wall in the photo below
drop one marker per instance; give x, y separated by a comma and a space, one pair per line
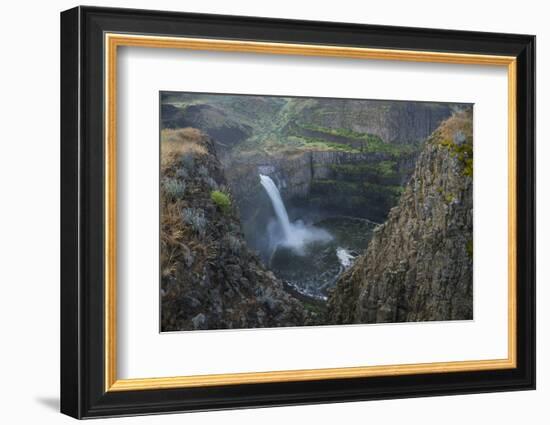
419, 263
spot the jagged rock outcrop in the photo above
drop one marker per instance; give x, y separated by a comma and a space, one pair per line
419, 265
209, 278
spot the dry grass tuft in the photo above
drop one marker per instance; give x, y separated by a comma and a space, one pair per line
171, 236
460, 122
179, 150
456, 134
176, 143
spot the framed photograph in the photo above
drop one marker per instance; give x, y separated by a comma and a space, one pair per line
261, 212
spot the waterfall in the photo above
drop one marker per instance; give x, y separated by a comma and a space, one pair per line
295, 235
278, 205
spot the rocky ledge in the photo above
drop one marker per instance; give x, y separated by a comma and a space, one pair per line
419, 263
209, 278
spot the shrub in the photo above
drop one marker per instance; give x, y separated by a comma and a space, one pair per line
174, 188
234, 244
211, 182
182, 173
195, 218
221, 199
187, 159
203, 171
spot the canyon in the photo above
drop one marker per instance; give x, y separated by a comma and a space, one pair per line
343, 211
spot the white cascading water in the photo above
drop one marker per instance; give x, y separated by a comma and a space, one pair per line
344, 257
295, 235
278, 205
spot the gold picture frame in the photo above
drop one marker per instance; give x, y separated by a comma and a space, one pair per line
114, 41
91, 40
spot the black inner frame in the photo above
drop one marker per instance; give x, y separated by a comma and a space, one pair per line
82, 212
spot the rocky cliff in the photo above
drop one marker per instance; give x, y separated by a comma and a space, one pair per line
419, 263
290, 122
364, 185
359, 151
393, 121
209, 278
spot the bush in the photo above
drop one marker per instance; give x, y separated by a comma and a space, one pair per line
182, 173
173, 188
195, 218
211, 182
187, 159
222, 200
234, 244
203, 171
